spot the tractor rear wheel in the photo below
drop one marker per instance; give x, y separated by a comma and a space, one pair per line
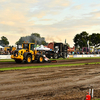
29, 59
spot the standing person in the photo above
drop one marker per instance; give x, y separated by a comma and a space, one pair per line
73, 52
8, 52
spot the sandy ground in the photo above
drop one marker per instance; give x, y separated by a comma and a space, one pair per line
59, 83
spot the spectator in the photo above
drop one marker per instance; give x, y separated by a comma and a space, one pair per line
77, 52
73, 52
8, 52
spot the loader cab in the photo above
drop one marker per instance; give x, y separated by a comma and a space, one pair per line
25, 45
28, 46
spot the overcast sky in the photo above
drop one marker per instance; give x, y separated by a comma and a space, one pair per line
56, 20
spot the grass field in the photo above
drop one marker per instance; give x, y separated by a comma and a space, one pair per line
60, 65
12, 60
27, 67
6, 60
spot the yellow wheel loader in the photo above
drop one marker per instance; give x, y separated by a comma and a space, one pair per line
27, 54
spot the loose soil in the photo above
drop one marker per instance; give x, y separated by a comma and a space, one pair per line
57, 83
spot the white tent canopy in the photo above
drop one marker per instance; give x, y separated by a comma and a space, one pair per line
1, 46
41, 47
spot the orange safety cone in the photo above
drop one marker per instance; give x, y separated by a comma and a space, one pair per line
88, 97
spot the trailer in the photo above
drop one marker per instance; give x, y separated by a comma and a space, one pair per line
57, 50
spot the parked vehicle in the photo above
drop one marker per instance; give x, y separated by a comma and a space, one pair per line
9, 49
57, 50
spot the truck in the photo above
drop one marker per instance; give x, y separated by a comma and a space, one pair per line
57, 50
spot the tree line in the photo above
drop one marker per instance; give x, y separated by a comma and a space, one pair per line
84, 39
33, 38
4, 41
80, 40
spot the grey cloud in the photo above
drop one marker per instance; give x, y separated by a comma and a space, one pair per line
46, 6
69, 26
77, 7
5, 28
95, 5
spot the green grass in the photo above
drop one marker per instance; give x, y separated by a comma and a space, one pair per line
27, 67
78, 58
42, 66
97, 99
11, 60
6, 60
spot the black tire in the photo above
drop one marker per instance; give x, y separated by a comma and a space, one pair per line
18, 61
40, 59
29, 59
55, 56
49, 57
64, 55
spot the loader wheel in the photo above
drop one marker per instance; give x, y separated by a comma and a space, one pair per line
18, 61
40, 59
29, 59
55, 56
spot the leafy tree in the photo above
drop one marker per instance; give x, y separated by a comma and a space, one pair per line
81, 39
94, 39
34, 38
68, 45
4, 40
36, 34
43, 42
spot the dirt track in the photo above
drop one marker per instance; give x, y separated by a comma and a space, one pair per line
61, 83
68, 61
